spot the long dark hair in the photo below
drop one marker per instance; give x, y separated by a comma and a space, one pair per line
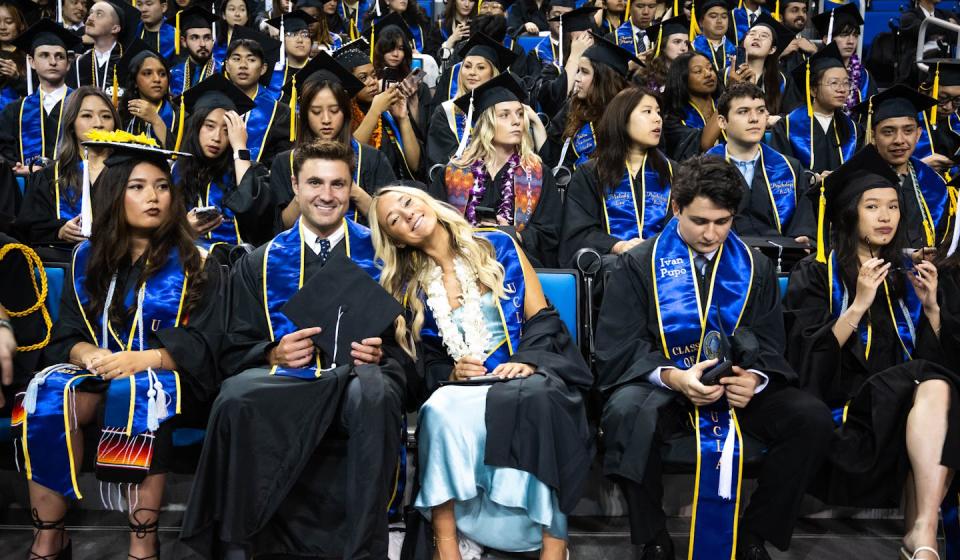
450, 15
613, 139
844, 240
676, 92
606, 84
386, 42
844, 131
313, 87
70, 150
194, 173
131, 91
413, 15
110, 243
771, 83
654, 74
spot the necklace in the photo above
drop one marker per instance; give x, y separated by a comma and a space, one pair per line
470, 337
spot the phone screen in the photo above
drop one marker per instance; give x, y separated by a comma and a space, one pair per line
416, 63
741, 57
409, 85
388, 77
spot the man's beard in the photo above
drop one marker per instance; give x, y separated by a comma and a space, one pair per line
200, 59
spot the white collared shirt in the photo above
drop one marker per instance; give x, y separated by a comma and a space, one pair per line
50, 99
103, 57
311, 238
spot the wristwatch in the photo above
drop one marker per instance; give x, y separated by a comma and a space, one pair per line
241, 155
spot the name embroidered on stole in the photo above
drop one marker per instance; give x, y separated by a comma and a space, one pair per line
686, 330
622, 214
584, 142
780, 180
125, 450
283, 276
627, 38
511, 308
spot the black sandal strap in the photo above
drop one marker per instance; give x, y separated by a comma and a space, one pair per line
41, 525
143, 529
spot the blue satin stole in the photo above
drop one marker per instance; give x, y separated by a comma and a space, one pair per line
511, 308
453, 88
165, 42
742, 21
703, 46
229, 230
8, 95
584, 142
32, 122
780, 180
283, 276
167, 114
936, 197
687, 326
197, 74
65, 208
260, 120
627, 37
799, 128
692, 117
623, 217
545, 52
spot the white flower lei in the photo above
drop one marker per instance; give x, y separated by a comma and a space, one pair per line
474, 338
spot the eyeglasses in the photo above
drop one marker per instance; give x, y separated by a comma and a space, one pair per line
302, 34
953, 101
837, 85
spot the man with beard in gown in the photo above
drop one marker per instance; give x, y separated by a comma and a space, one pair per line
263, 485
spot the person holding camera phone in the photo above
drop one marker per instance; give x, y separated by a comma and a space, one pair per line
938, 146
864, 331
654, 349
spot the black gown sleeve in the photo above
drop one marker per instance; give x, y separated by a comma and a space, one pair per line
680, 141
804, 220
278, 138
441, 143
247, 338
583, 224
253, 205
376, 171
9, 133
38, 217
9, 198
780, 141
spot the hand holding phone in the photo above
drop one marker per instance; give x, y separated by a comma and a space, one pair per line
206, 213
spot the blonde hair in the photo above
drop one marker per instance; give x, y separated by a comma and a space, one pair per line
405, 269
462, 90
481, 143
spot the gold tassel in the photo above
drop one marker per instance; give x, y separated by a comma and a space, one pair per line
180, 117
776, 11
626, 12
821, 229
676, 8
176, 37
116, 88
809, 101
659, 41
694, 28
870, 121
373, 30
936, 95
293, 110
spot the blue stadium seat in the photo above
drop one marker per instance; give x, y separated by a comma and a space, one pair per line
55, 277
876, 22
529, 42
562, 288
22, 183
427, 6
782, 280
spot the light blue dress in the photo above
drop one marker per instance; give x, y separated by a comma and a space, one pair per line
507, 509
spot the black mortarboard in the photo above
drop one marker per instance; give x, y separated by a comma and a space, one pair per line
700, 7
782, 35
353, 54
216, 92
824, 59
196, 17
393, 19
270, 46
501, 88
346, 303
603, 51
949, 71
318, 4
848, 14
659, 31
325, 67
46, 32
580, 19
482, 45
129, 17
296, 20
897, 101
124, 151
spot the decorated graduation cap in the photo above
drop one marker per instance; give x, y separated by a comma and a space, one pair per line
271, 48
837, 18
605, 52
943, 72
483, 45
826, 58
580, 19
864, 171
497, 90
124, 147
897, 101
782, 35
194, 17
353, 54
659, 31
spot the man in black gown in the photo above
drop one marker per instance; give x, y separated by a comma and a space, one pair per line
648, 396
263, 485
111, 24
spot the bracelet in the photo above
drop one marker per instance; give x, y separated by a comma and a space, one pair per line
159, 355
5, 324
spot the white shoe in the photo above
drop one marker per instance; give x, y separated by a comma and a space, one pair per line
469, 550
908, 556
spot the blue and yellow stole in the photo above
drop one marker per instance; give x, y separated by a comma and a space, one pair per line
546, 52
8, 95
392, 131
32, 118
527, 189
511, 308
187, 74
455, 119
627, 38
741, 21
584, 142
283, 276
692, 116
780, 180
621, 205
278, 78
165, 40
167, 114
454, 87
259, 122
799, 128
934, 200
417, 33
126, 442
687, 326
229, 230
349, 18
702, 45
65, 208
863, 92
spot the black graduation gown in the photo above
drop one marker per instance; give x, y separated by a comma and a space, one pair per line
826, 154
527, 11
755, 215
375, 172
868, 462
10, 132
287, 495
441, 142
551, 90
18, 294
913, 219
583, 217
251, 203
278, 136
9, 197
37, 221
679, 141
86, 72
542, 235
629, 348
553, 147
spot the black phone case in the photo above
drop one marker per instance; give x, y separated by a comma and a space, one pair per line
717, 372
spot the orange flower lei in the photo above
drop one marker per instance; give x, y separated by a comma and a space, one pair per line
357, 118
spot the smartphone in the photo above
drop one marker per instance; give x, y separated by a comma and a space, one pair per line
486, 214
741, 58
713, 375
6, 55
388, 77
416, 62
409, 85
206, 213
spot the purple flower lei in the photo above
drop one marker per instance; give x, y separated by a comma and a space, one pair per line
479, 171
856, 75
505, 210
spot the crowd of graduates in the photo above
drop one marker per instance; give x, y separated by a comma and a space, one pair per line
291, 223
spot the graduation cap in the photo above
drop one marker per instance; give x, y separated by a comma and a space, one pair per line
129, 17
46, 33
824, 59
837, 18
271, 48
216, 92
346, 303
124, 147
194, 17
393, 19
603, 51
564, 4
294, 21
353, 54
503, 87
945, 72
897, 101
483, 45
580, 19
661, 30
782, 35
864, 171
